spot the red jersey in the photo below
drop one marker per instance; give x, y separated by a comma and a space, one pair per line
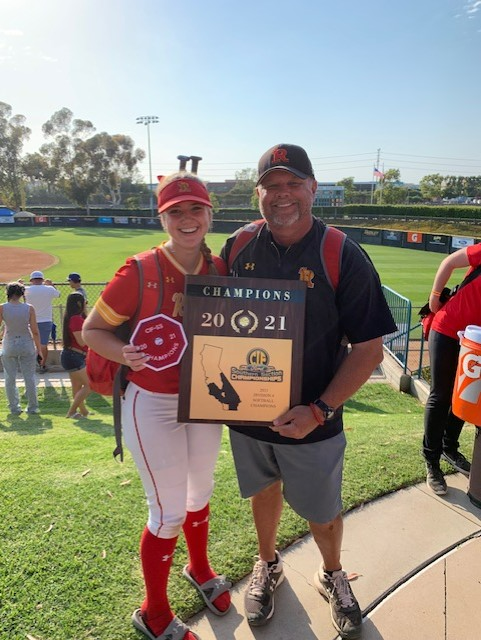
465, 307
118, 303
75, 324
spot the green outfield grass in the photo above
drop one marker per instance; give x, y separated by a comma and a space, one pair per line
96, 253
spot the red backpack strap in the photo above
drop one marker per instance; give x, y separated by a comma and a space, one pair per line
242, 239
149, 270
332, 244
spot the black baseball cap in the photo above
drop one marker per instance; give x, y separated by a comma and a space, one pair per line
74, 277
288, 157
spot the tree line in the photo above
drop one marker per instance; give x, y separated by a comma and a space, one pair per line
78, 166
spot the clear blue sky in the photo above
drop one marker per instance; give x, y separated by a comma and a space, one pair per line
230, 79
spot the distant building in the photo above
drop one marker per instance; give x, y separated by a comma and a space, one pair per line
220, 187
329, 194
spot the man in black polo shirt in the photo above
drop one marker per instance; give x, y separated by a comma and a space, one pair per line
270, 463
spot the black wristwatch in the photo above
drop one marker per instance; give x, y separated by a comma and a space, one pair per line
325, 408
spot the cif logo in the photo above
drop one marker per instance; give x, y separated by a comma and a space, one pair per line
258, 358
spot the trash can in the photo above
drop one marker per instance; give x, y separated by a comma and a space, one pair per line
474, 486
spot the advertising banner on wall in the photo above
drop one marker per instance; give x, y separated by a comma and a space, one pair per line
136, 222
371, 236
105, 220
392, 238
41, 219
7, 220
413, 240
437, 243
460, 242
121, 220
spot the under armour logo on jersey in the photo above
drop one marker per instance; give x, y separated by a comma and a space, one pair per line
306, 275
169, 279
152, 285
204, 521
249, 266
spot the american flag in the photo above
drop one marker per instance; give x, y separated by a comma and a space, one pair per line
378, 174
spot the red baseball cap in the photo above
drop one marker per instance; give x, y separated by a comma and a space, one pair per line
184, 189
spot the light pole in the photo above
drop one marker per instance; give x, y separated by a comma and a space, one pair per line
148, 120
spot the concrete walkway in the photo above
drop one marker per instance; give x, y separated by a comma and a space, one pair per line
418, 557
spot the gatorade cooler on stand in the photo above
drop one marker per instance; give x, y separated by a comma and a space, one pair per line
466, 402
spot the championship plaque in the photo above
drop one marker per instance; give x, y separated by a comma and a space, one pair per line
243, 362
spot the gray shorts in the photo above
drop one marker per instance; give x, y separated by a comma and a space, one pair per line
311, 473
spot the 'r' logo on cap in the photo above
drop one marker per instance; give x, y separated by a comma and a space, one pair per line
279, 155
183, 186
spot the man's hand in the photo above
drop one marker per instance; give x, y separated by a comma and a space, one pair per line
296, 423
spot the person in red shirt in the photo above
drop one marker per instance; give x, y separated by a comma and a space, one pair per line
441, 426
74, 354
175, 460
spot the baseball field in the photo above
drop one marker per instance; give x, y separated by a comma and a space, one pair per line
96, 253
71, 517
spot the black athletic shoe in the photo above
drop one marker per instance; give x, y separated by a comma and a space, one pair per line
259, 597
435, 479
345, 611
458, 461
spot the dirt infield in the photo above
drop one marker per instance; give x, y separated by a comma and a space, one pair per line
16, 262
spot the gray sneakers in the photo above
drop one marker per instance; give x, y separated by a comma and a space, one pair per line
259, 597
345, 612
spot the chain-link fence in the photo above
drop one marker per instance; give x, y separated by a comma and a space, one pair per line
93, 291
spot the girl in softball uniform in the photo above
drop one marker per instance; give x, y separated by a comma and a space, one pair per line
175, 461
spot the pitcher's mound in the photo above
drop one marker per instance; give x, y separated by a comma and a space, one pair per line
16, 262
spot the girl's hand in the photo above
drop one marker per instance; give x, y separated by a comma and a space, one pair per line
133, 358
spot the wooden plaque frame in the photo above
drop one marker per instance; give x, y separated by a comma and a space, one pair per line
243, 362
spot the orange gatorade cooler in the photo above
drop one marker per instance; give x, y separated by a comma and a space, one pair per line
466, 403
474, 487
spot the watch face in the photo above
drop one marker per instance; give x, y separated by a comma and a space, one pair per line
326, 409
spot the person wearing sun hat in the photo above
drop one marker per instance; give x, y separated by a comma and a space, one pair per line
270, 464
40, 294
175, 460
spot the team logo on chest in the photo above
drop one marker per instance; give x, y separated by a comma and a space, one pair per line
306, 275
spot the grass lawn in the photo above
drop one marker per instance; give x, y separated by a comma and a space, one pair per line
97, 253
71, 517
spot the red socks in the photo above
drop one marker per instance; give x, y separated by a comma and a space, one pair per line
196, 531
156, 555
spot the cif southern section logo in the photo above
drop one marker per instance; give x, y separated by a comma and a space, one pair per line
244, 321
257, 368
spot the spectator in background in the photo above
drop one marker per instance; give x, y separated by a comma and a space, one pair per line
75, 281
74, 354
441, 427
21, 343
40, 295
